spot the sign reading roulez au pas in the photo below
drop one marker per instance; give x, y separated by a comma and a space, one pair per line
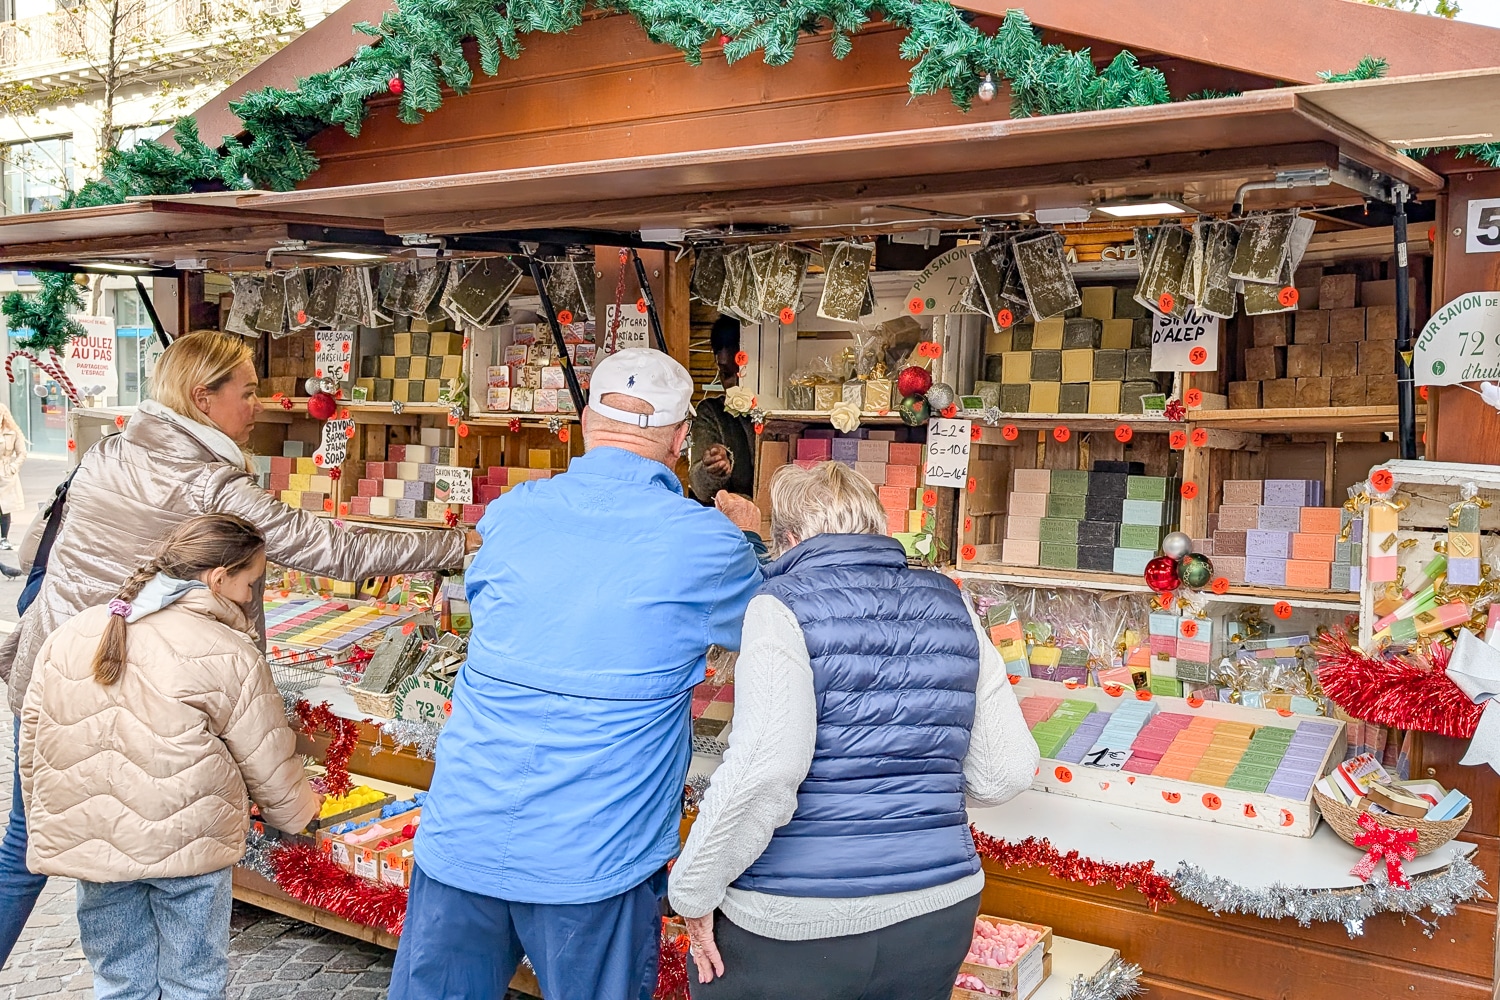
1461, 343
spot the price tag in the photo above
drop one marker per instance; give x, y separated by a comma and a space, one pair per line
453, 485
1190, 344
335, 350
948, 452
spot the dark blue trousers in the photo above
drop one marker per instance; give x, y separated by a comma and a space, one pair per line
19, 888
460, 945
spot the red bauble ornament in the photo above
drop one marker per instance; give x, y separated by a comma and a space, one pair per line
913, 381
395, 85
1161, 575
322, 405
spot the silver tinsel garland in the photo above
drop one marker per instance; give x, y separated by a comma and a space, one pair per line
257, 857
420, 736
1116, 981
1439, 892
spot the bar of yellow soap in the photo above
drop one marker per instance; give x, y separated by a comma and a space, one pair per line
1046, 656
1382, 518
538, 458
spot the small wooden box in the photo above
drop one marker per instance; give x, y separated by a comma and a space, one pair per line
1018, 980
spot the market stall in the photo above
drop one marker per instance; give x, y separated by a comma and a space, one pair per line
1179, 523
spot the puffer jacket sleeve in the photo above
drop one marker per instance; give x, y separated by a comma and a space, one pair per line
301, 540
265, 748
31, 715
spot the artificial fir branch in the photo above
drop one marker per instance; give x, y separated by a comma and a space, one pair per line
46, 313
1368, 68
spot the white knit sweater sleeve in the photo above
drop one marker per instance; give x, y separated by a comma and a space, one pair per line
1002, 756
770, 751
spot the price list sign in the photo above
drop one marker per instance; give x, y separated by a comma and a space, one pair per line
948, 452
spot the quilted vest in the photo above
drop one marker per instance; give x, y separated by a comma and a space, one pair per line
895, 661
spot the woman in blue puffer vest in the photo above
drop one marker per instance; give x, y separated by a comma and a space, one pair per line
831, 858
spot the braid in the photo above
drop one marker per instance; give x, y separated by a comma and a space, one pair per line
109, 659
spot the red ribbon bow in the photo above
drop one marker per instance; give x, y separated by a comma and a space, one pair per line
1381, 842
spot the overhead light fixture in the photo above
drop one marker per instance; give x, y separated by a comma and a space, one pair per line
1062, 216
1142, 209
349, 255
121, 268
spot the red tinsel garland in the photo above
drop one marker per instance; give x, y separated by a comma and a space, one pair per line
344, 735
672, 966
1395, 691
1074, 867
306, 875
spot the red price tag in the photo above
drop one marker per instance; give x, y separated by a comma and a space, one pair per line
915, 307
1288, 296
1282, 609
968, 552
1062, 434
1198, 355
1382, 480
1005, 318
1166, 302
1193, 397
788, 315
1211, 802
1123, 433
1189, 490
975, 433
1189, 628
1220, 585
742, 359
1010, 432
640, 305
929, 498
565, 317
1200, 437
1177, 440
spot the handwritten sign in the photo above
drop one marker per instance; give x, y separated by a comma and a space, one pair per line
1185, 345
335, 444
453, 485
635, 328
948, 452
335, 352
1461, 343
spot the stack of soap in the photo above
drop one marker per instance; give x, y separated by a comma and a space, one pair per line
1053, 732
1108, 519
1261, 758
1149, 510
1083, 738
404, 485
1153, 741
296, 480
1187, 749
418, 367
1273, 533
1348, 553
1112, 749
1303, 761
1194, 649
1222, 755
1036, 709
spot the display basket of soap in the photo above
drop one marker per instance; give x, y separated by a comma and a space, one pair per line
379, 703
1016, 980
1431, 834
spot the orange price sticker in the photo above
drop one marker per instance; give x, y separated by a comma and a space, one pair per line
1382, 480
742, 359
1189, 490
968, 552
1062, 434
1423, 391
1189, 628
968, 524
972, 485
119, 421
1177, 440
563, 435
975, 432
1200, 437
915, 306
937, 350
1010, 432
1166, 302
1143, 696
1288, 296
1123, 433
565, 317
1005, 318
1211, 802
463, 430
1113, 690
1220, 585
788, 315
1063, 774
343, 510
1249, 811
1193, 397
328, 505
1013, 678
1172, 797
1198, 355
640, 305
1282, 609
1196, 701
929, 498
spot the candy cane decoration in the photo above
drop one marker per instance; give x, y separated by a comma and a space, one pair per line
55, 369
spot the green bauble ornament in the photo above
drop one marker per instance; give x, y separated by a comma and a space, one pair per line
915, 410
1196, 570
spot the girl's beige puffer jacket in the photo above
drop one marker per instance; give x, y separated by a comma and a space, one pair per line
147, 778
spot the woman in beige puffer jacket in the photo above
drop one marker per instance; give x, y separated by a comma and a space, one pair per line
147, 724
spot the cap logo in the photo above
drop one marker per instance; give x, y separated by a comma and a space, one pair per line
630, 382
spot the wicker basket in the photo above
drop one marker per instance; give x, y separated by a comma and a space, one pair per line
374, 702
1431, 834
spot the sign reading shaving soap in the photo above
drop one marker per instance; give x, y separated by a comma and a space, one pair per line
948, 452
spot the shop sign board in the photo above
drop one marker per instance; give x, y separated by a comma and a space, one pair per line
941, 286
1186, 344
1482, 235
90, 359
1461, 343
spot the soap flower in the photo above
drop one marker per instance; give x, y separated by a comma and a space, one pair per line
844, 416
738, 400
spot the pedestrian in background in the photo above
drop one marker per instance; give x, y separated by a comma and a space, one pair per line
12, 457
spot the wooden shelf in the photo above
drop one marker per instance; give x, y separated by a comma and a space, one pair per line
1307, 420
394, 522
1031, 576
1081, 422
890, 417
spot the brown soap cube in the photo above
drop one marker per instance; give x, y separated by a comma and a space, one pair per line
1307, 295
1244, 395
1380, 390
1313, 392
1348, 391
1341, 359
1380, 323
1271, 329
1304, 360
1265, 363
1311, 327
1346, 326
1377, 357
1383, 293
1278, 394
1229, 543
1338, 291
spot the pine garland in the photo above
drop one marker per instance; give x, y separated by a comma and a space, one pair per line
46, 314
1368, 68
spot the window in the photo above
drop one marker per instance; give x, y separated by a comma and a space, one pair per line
125, 138
35, 176
136, 346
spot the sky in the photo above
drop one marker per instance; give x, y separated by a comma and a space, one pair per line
1480, 12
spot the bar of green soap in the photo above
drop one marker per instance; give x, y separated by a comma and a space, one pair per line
1059, 529
1146, 488
1059, 555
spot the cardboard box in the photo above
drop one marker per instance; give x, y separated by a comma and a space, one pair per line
1312, 392
1263, 364
1377, 357
1338, 291
1348, 390
1278, 394
1346, 326
1306, 360
1244, 395
1310, 326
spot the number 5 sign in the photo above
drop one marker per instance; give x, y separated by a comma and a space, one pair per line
1483, 234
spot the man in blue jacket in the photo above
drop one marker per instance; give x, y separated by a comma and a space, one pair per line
556, 800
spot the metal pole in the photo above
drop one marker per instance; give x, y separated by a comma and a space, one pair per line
579, 401
1406, 389
640, 274
161, 333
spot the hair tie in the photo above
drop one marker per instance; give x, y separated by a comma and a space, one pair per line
119, 608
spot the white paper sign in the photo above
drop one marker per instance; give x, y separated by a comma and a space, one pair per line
948, 452
90, 359
453, 485
1185, 345
1483, 232
335, 352
635, 329
335, 444
941, 286
1461, 343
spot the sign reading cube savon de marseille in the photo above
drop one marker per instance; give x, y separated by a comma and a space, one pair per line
1461, 343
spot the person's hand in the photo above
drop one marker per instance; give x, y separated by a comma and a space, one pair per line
472, 541
743, 512
717, 460
705, 953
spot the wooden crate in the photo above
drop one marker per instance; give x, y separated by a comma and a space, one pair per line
1021, 978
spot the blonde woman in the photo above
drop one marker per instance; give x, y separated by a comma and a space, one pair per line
179, 457
832, 855
12, 457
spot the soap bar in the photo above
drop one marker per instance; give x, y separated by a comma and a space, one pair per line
1015, 398
1014, 370
1059, 555
1071, 481
1059, 529
1104, 397
1073, 398
1047, 335
1082, 332
1020, 552
1146, 488
1045, 397
1025, 528
1032, 480
1067, 505
1143, 512
1138, 366
1116, 333
1049, 366
1077, 366
1109, 366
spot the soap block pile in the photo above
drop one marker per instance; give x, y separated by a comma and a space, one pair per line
1095, 362
531, 379
892, 467
294, 478
1274, 533
413, 366
1139, 738
1109, 519
402, 487
1280, 651
1181, 648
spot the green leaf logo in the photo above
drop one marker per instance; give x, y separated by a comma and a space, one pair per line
1438, 367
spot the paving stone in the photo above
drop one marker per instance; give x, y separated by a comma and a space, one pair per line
37, 988
296, 971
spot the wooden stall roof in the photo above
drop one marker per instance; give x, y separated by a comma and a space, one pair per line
1433, 109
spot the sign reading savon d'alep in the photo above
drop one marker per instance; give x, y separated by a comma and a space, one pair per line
1461, 343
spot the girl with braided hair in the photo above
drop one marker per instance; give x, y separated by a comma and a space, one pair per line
149, 723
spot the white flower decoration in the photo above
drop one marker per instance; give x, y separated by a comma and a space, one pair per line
844, 416
738, 400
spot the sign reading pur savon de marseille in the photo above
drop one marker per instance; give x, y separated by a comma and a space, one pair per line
1461, 343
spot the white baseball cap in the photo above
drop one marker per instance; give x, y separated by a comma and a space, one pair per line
647, 375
